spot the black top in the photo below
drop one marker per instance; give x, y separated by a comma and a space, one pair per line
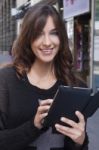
18, 105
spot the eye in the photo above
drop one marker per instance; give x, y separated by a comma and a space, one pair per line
54, 33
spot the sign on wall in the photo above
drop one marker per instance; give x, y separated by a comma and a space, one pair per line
75, 7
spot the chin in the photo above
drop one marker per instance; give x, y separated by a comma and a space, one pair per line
47, 58
47, 61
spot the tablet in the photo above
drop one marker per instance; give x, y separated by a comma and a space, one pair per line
66, 101
92, 106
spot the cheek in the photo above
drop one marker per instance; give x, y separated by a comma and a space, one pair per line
55, 41
58, 42
34, 46
36, 43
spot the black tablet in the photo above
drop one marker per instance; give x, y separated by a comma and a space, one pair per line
66, 101
92, 106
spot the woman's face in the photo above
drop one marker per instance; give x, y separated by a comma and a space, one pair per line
46, 46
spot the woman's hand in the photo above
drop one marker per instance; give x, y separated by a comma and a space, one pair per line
42, 112
77, 130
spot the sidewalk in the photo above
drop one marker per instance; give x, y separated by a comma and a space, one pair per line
93, 131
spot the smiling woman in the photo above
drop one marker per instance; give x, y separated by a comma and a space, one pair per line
41, 63
46, 46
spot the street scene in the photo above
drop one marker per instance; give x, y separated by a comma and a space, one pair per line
37, 69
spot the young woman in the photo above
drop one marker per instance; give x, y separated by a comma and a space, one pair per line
42, 62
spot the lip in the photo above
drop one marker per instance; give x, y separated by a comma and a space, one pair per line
47, 51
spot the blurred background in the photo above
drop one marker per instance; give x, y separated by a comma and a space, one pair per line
82, 22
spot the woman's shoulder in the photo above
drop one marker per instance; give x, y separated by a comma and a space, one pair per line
7, 71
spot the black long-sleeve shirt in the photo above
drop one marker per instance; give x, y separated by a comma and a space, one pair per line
18, 105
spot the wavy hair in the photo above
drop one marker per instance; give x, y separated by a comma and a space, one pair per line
32, 25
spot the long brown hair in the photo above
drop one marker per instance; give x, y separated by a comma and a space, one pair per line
32, 25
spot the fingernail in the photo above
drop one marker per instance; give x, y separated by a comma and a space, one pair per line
56, 125
39, 101
62, 118
77, 112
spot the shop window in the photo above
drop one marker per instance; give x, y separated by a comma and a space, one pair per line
81, 44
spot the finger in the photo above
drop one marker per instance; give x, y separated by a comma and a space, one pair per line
66, 133
42, 109
80, 117
69, 122
81, 124
76, 126
45, 102
75, 136
67, 130
61, 129
42, 116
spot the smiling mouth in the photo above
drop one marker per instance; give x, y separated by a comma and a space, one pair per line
47, 51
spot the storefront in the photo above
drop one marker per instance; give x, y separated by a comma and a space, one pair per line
95, 70
82, 23
77, 16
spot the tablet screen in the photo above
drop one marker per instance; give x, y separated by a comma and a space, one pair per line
66, 101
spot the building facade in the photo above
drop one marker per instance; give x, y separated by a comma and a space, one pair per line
11, 14
7, 25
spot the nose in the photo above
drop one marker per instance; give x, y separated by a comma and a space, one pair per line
46, 40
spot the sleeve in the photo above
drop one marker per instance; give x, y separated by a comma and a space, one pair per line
20, 137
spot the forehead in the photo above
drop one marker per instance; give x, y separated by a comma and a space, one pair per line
49, 23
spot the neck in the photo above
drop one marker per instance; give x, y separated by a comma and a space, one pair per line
42, 69
42, 75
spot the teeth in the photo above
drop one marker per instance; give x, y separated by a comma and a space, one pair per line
47, 51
